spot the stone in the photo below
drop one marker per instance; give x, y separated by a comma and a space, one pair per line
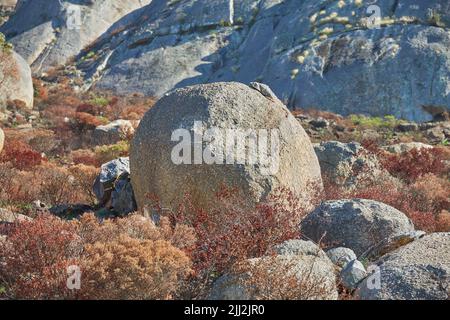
8, 217
348, 164
110, 172
112, 133
17, 84
407, 127
341, 256
406, 147
417, 271
318, 271
357, 224
352, 274
160, 167
299, 247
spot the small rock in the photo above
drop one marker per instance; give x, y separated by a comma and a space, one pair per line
407, 127
109, 174
406, 147
319, 123
341, 256
357, 224
113, 132
353, 273
9, 217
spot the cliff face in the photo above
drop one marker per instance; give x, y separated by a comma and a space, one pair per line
313, 53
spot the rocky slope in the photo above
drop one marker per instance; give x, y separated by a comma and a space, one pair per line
49, 32
323, 54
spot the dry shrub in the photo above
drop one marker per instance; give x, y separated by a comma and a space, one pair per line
411, 165
129, 258
35, 257
20, 154
128, 268
233, 232
282, 278
85, 156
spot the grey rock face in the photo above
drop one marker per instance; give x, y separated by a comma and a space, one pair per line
311, 53
417, 271
112, 133
353, 273
15, 80
312, 271
341, 256
356, 224
2, 140
220, 107
113, 186
49, 32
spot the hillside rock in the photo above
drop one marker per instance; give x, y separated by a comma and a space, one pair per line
406, 147
341, 256
417, 271
112, 186
349, 164
112, 132
214, 113
352, 274
8, 217
299, 247
313, 271
356, 224
15, 80
312, 53
49, 32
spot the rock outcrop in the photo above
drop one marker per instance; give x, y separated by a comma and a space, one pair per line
417, 271
16, 84
48, 33
198, 139
356, 224
321, 54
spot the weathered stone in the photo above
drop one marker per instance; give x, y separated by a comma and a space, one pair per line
348, 164
16, 81
112, 133
313, 272
9, 217
341, 256
158, 169
356, 224
406, 147
299, 247
109, 174
417, 271
353, 273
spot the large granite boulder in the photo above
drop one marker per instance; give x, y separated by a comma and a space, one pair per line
417, 271
15, 79
198, 139
356, 224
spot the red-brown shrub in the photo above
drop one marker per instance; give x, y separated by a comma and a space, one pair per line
20, 154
